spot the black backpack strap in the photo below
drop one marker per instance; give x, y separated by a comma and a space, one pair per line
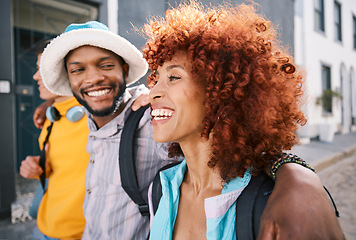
157, 186
42, 161
127, 162
250, 205
332, 201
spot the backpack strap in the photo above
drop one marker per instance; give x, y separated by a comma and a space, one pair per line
250, 205
42, 161
127, 162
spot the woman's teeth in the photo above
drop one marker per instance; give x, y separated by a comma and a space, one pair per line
159, 114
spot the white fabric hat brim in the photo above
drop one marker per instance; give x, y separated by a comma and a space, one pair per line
52, 69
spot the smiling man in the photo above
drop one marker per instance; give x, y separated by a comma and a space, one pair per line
97, 78
96, 66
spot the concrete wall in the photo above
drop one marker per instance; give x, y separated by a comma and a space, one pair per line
281, 13
134, 13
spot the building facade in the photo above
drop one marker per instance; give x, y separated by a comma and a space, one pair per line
325, 48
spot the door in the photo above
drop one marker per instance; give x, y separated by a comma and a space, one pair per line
35, 20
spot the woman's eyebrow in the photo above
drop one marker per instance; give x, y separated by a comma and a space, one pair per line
170, 67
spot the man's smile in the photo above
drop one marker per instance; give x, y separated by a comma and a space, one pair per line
97, 93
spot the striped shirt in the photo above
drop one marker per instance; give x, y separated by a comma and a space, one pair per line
109, 211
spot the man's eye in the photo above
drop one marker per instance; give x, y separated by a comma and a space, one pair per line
107, 65
76, 70
173, 78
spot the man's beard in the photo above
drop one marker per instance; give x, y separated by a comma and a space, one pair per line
106, 111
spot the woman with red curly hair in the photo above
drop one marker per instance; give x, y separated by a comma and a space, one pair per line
227, 94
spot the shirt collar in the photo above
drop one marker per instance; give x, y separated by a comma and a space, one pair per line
112, 127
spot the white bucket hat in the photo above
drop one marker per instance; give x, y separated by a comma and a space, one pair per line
93, 33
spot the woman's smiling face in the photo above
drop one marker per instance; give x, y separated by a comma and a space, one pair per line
177, 102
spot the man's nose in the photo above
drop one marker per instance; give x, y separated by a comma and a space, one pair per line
93, 75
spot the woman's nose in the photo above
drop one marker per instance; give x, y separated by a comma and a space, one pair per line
157, 91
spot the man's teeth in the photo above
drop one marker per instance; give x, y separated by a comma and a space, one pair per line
159, 114
98, 93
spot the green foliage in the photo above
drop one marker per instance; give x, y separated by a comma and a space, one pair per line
326, 99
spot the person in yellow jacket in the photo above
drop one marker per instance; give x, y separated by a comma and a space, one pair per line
60, 214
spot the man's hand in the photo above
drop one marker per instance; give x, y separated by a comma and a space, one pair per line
30, 167
39, 115
141, 101
299, 208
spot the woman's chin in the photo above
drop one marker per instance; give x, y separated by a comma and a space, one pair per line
160, 139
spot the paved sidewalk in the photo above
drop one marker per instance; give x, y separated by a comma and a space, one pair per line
320, 154
340, 180
317, 154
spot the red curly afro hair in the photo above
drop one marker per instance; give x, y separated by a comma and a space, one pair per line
253, 92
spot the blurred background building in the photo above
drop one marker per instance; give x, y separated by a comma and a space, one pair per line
325, 47
320, 34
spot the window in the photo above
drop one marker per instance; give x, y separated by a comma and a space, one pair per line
354, 30
337, 21
326, 86
319, 15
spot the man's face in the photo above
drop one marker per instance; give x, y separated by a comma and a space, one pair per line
96, 76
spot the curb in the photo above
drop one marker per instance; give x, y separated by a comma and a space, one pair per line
327, 161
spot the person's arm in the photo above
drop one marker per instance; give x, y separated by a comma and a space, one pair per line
39, 116
298, 207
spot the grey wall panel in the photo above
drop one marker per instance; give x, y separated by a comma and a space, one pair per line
7, 160
136, 12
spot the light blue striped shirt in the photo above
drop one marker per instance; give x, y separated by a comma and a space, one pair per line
108, 210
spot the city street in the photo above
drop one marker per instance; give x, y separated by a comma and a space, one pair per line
311, 41
340, 180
